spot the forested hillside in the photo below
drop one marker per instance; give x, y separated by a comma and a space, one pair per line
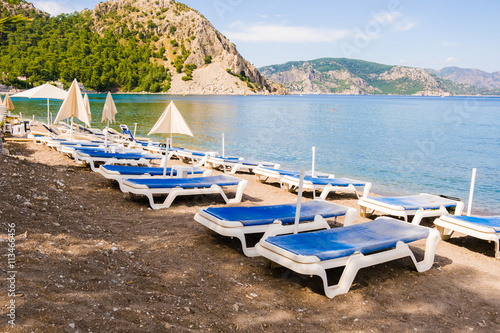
64, 47
125, 45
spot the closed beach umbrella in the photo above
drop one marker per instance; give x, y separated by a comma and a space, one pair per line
171, 121
87, 106
8, 102
73, 107
108, 113
47, 91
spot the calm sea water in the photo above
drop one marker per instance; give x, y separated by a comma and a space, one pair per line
403, 145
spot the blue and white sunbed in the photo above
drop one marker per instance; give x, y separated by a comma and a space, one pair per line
93, 157
355, 247
327, 185
121, 172
130, 137
196, 157
173, 187
241, 221
422, 205
264, 174
233, 164
482, 227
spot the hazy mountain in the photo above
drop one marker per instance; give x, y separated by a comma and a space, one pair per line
471, 76
350, 76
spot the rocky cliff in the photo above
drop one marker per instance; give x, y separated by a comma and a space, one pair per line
200, 58
357, 77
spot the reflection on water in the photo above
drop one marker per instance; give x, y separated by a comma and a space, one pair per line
404, 145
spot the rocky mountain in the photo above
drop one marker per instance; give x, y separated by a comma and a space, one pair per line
471, 76
350, 76
169, 35
185, 36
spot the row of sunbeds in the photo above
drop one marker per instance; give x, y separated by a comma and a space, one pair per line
312, 252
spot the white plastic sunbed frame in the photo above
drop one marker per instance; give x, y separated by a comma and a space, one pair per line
368, 205
172, 193
195, 157
238, 230
292, 183
453, 224
312, 265
264, 174
230, 166
182, 171
83, 158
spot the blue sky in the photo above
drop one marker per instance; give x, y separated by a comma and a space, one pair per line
425, 33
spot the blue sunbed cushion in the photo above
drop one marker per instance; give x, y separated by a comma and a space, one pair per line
414, 202
128, 156
80, 144
283, 172
383, 233
220, 180
334, 181
482, 221
261, 215
137, 170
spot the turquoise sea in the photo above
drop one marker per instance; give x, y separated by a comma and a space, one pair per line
402, 144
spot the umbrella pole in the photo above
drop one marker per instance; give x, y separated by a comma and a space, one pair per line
313, 160
166, 159
48, 113
471, 193
106, 138
299, 201
223, 154
71, 131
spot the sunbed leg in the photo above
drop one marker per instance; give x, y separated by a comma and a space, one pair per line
497, 249
239, 192
430, 251
459, 208
421, 213
364, 212
366, 190
349, 217
168, 200
353, 265
444, 235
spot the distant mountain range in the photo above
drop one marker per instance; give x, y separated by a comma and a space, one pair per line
358, 77
471, 76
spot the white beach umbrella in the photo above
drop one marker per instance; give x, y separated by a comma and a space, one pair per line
87, 106
73, 107
108, 113
171, 121
8, 102
47, 91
